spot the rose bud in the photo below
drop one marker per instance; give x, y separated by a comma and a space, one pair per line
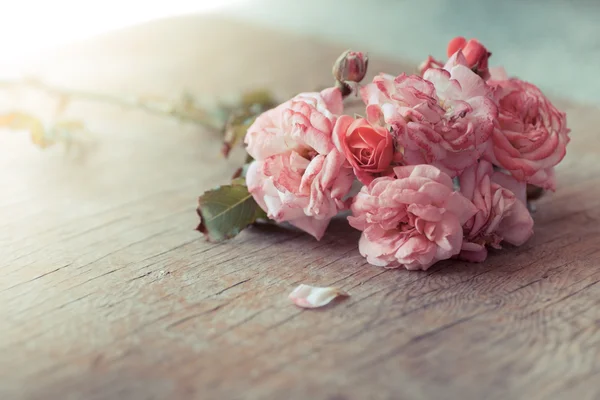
475, 53
351, 66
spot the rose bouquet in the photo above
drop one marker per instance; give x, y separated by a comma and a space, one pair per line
447, 159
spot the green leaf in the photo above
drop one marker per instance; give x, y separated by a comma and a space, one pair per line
226, 211
235, 129
261, 97
242, 115
239, 181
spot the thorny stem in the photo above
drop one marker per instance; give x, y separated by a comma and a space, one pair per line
188, 113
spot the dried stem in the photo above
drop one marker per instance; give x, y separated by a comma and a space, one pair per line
187, 112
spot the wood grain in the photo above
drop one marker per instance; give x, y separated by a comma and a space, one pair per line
107, 292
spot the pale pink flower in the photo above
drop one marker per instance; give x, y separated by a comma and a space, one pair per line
368, 148
531, 135
501, 211
299, 176
412, 220
445, 118
306, 193
302, 124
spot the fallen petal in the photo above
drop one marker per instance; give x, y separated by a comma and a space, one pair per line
307, 296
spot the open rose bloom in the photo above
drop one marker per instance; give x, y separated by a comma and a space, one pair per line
368, 148
531, 135
501, 211
444, 158
413, 219
444, 118
299, 176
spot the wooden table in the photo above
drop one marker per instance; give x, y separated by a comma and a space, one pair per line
107, 292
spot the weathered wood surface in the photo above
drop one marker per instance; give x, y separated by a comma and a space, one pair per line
107, 292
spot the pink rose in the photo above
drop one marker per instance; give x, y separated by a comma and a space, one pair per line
303, 124
299, 176
368, 148
305, 193
502, 214
475, 53
444, 119
413, 220
531, 135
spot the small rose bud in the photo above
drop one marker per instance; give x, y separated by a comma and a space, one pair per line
351, 66
455, 45
475, 53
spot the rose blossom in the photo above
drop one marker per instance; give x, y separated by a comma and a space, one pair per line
502, 214
445, 118
413, 220
303, 123
531, 135
368, 148
299, 176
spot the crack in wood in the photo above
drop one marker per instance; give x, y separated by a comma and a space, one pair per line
34, 279
232, 286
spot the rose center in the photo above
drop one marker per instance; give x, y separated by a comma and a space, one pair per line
308, 153
404, 227
364, 155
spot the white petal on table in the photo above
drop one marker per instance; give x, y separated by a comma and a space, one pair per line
307, 296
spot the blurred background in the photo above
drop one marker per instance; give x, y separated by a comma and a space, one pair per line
553, 43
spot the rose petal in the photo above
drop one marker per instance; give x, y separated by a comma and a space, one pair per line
307, 296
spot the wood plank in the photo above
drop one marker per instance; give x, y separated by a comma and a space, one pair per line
107, 292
